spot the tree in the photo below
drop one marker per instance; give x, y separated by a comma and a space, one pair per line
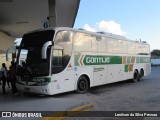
155, 53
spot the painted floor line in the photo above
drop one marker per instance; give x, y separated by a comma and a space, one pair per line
73, 111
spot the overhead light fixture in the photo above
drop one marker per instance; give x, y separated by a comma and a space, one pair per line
25, 22
6, 0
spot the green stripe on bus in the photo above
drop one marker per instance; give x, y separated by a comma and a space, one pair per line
104, 59
126, 68
101, 60
129, 59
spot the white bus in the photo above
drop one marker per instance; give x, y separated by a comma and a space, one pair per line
59, 60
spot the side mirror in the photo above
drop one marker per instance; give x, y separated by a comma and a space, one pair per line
44, 49
10, 50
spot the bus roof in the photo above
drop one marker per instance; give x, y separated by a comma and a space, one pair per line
102, 34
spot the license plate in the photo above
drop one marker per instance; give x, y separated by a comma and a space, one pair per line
27, 89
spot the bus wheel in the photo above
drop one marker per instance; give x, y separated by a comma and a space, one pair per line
141, 74
135, 76
82, 85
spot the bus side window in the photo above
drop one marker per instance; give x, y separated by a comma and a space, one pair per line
132, 48
83, 42
122, 47
111, 45
98, 44
57, 58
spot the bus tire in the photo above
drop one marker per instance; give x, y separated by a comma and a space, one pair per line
141, 74
135, 76
82, 85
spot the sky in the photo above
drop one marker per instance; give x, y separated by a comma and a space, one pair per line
134, 19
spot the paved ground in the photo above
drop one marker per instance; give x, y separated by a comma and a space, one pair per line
123, 96
143, 95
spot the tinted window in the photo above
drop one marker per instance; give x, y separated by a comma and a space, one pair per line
62, 54
122, 46
57, 58
111, 45
37, 38
139, 49
142, 49
98, 44
146, 50
30, 52
132, 48
83, 42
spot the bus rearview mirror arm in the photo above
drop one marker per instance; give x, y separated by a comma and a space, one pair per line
44, 49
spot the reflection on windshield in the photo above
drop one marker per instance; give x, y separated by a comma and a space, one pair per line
62, 54
30, 62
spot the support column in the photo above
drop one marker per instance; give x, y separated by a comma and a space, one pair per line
52, 13
5, 43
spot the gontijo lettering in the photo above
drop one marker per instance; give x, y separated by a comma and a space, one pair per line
97, 60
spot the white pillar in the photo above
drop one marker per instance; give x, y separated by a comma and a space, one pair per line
5, 42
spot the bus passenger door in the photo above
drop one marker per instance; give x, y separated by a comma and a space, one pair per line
62, 71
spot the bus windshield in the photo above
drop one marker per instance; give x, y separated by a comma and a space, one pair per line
30, 61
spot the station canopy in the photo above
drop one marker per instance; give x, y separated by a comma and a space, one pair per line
21, 16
